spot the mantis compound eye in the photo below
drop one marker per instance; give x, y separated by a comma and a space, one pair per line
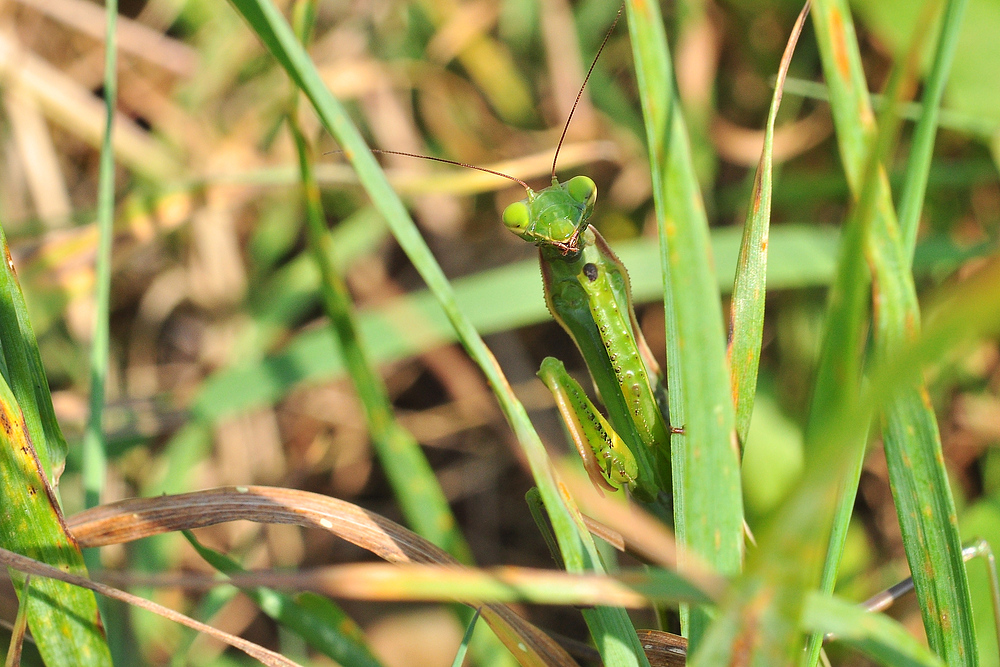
516, 217
583, 190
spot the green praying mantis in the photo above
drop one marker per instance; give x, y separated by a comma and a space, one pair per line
587, 291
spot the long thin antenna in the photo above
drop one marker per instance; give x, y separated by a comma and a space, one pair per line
455, 163
579, 95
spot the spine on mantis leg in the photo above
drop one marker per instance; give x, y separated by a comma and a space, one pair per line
607, 460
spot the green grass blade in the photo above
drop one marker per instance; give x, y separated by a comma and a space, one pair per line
876, 635
94, 450
974, 125
24, 372
416, 488
968, 312
840, 364
64, 620
94, 455
463, 648
611, 628
318, 620
746, 319
708, 507
912, 441
412, 479
911, 199
958, 317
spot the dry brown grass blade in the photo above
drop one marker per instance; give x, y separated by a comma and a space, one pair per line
642, 534
416, 583
136, 518
663, 649
39, 569
17, 632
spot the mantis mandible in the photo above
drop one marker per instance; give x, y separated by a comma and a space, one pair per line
587, 291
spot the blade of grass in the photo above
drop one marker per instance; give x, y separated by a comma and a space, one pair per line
708, 507
63, 619
912, 441
463, 648
412, 479
24, 373
94, 456
95, 459
746, 323
784, 545
980, 128
611, 628
416, 488
873, 634
840, 364
911, 200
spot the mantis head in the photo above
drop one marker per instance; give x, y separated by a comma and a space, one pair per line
554, 217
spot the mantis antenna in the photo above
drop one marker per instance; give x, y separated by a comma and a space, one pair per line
456, 163
562, 137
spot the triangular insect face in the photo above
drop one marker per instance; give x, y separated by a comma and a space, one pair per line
556, 216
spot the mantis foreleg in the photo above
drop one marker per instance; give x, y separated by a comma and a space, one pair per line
607, 460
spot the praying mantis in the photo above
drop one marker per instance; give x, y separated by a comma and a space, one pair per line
588, 293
